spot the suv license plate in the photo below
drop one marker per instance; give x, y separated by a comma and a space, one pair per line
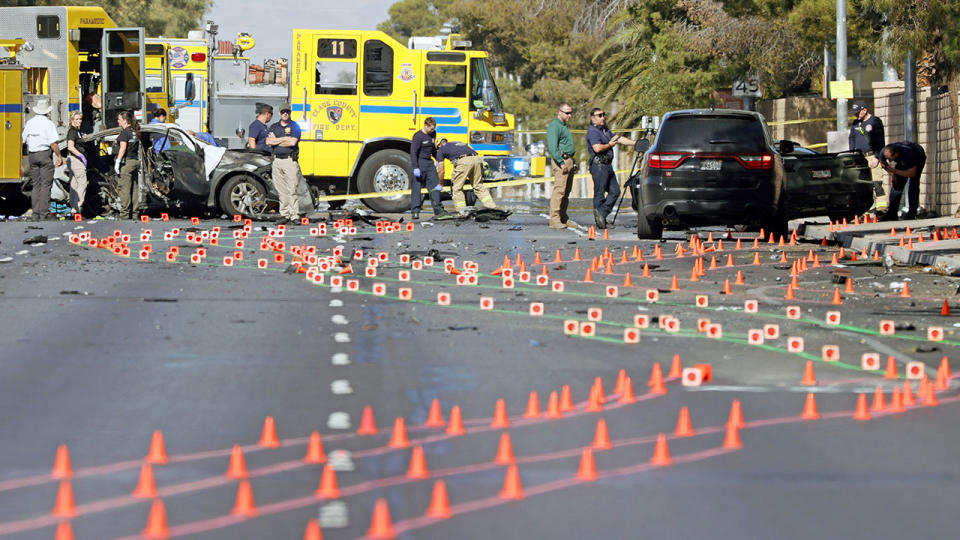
710, 165
823, 173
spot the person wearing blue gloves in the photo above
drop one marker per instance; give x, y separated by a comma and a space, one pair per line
423, 151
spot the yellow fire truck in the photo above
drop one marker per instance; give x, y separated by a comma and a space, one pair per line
359, 97
176, 77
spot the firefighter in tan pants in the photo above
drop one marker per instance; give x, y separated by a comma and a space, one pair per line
467, 165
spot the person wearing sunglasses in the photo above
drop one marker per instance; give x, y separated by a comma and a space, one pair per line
606, 187
560, 146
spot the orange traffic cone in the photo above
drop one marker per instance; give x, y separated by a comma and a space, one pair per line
418, 464
905, 293
656, 380
594, 404
158, 453
315, 453
244, 505
676, 369
64, 506
146, 487
500, 418
837, 300
533, 406
945, 310
512, 486
908, 394
553, 406
627, 396
674, 284
237, 467
661, 452
439, 501
268, 439
848, 288
588, 469
736, 415
61, 463
601, 439
368, 425
566, 399
587, 277
809, 379
684, 426
328, 488
879, 403
861, 412
435, 418
313, 531
891, 372
945, 366
896, 400
726, 287
64, 529
399, 438
576, 254
627, 281
732, 438
810, 411
381, 526
455, 427
157, 521
537, 259
505, 450
739, 278
789, 295
646, 271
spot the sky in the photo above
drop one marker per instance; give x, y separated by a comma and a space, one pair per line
270, 23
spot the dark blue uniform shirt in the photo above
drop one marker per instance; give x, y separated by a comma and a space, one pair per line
258, 131
599, 135
422, 147
453, 150
289, 130
910, 155
867, 136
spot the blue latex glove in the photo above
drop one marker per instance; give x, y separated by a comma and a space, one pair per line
83, 159
416, 172
439, 187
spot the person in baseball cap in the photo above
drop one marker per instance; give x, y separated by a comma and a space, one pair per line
866, 135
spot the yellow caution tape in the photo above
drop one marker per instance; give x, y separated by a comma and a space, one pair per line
401, 192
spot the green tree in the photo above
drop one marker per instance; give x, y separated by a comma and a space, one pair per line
416, 18
171, 18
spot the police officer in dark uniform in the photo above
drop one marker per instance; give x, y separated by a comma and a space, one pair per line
283, 139
423, 150
257, 132
606, 187
904, 161
866, 135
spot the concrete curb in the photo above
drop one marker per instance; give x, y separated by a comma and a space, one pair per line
942, 255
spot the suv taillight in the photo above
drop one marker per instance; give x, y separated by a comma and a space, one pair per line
666, 161
761, 161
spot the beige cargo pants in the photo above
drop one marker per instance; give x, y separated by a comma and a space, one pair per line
286, 174
470, 168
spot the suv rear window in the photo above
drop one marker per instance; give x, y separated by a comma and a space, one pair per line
711, 133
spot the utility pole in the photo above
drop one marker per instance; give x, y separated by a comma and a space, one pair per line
841, 62
910, 98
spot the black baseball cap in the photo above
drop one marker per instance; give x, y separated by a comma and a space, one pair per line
858, 105
285, 109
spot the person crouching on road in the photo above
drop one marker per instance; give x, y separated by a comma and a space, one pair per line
77, 163
904, 161
40, 136
467, 165
127, 163
284, 141
606, 187
423, 150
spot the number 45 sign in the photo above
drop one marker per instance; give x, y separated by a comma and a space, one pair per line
747, 87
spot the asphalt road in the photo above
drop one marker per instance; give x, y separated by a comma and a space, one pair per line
101, 350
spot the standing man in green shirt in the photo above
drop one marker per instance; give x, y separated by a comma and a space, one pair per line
560, 146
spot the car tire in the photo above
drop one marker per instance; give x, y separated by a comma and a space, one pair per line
777, 224
386, 170
245, 195
649, 229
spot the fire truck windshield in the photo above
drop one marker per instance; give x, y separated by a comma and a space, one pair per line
483, 90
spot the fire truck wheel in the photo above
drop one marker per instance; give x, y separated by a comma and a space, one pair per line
387, 170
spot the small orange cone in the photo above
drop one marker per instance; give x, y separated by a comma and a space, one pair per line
809, 379
661, 452
879, 403
533, 406
455, 427
601, 439
896, 400
558, 258
566, 399
237, 468
837, 300
346, 270
587, 277
646, 270
576, 254
594, 404
244, 505
627, 282
810, 411
588, 468
621, 377
553, 406
684, 426
756, 258
930, 397
399, 438
945, 310
381, 526
536, 258
861, 413
368, 425
439, 501
656, 380
732, 438
736, 415
158, 453
674, 284
905, 293
418, 464
627, 396
789, 295
609, 268
726, 287
61, 463
908, 394
848, 288
268, 439
315, 453
64, 530
146, 487
500, 418
505, 450
676, 369
157, 521
313, 531
64, 506
891, 372
328, 488
512, 485
739, 279
945, 366
435, 418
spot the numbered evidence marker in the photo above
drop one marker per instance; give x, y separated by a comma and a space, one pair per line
641, 321
755, 336
571, 327
536, 309
631, 335
870, 361
887, 328
795, 344
793, 312
833, 318
594, 314
935, 333
830, 353
915, 370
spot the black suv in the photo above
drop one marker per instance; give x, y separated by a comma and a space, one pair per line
710, 167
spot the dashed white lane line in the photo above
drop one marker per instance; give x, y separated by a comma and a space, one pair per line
338, 420
340, 359
341, 337
341, 387
339, 319
336, 302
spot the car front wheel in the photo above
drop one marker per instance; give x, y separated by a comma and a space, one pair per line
245, 195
